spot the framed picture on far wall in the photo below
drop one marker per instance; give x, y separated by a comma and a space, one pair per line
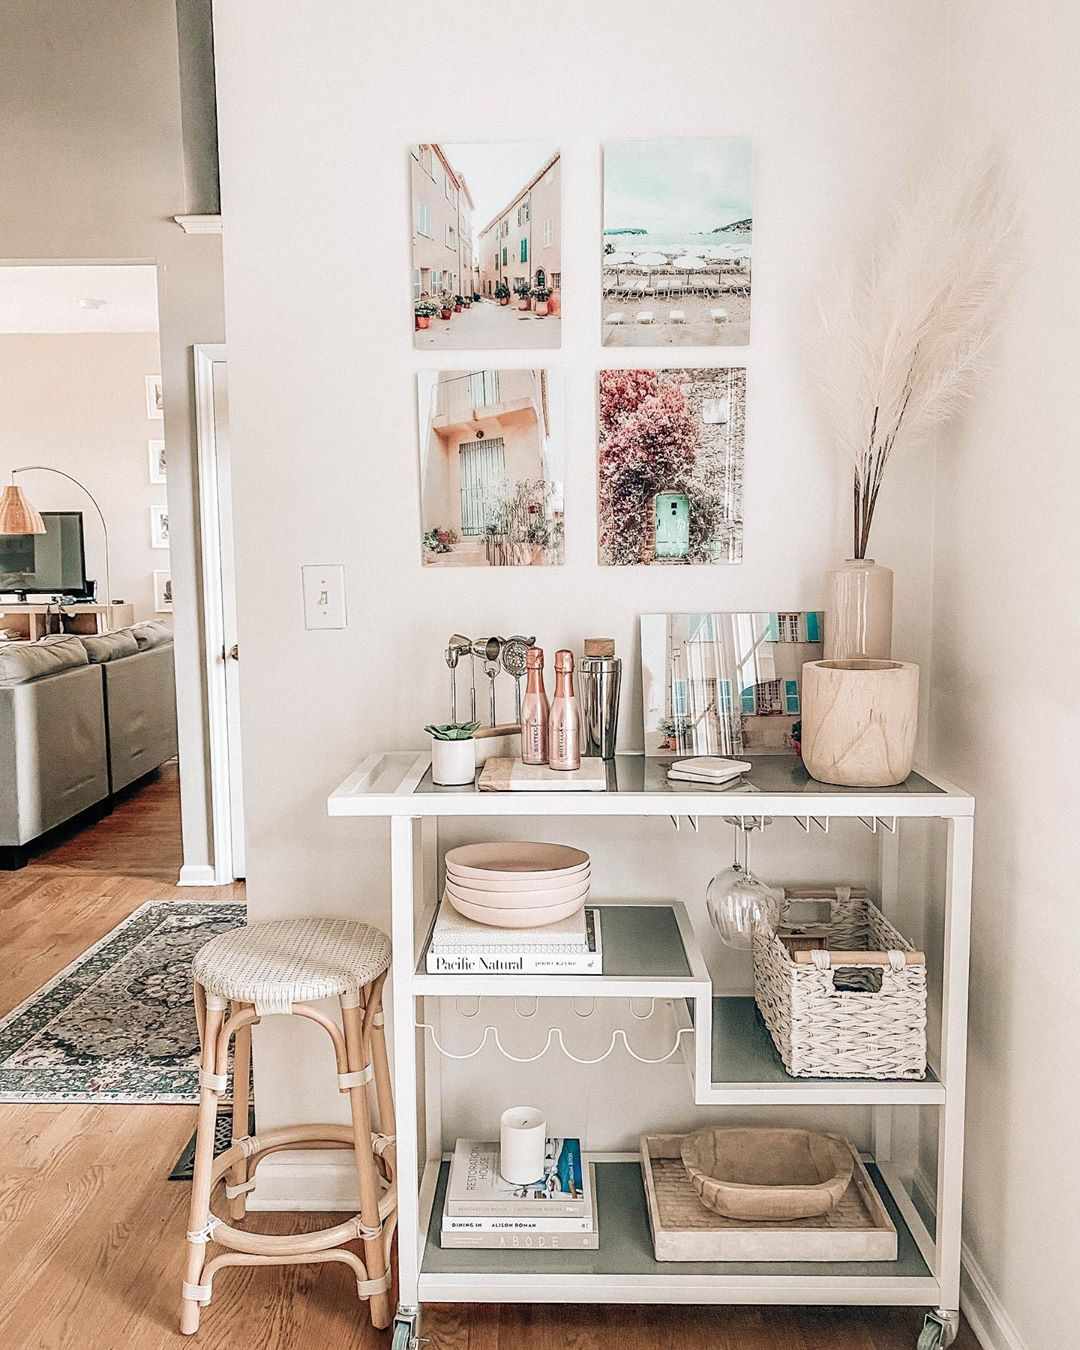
163, 597
155, 451
486, 245
677, 242
726, 683
155, 398
492, 465
159, 527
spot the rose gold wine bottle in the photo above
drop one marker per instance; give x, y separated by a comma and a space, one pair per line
534, 710
564, 726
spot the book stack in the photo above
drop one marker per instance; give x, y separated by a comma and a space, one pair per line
556, 1212
461, 946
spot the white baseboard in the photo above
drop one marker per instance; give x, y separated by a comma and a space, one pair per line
986, 1315
197, 874
312, 1180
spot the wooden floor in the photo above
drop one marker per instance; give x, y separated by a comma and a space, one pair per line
91, 1232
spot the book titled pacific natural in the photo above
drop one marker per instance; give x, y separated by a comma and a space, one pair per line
539, 1235
460, 946
477, 1190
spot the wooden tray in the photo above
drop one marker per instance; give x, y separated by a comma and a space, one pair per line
859, 1229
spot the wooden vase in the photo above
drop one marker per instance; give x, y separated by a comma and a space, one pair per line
859, 719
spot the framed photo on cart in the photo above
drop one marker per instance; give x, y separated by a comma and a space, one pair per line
726, 683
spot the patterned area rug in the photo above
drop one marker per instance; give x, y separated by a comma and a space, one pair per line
118, 1024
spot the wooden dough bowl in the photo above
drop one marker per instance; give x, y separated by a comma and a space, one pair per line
767, 1173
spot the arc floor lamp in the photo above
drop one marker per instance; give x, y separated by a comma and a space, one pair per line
19, 516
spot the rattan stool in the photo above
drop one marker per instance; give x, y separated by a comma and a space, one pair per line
281, 967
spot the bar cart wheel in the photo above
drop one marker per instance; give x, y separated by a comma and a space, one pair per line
939, 1330
406, 1329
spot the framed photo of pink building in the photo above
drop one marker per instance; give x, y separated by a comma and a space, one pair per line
492, 464
486, 246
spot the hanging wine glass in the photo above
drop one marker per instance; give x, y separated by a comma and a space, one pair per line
736, 900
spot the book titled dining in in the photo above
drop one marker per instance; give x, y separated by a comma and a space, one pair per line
551, 1234
476, 1189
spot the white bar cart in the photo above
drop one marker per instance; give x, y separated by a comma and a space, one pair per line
651, 953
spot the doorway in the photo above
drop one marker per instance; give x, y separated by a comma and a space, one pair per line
220, 627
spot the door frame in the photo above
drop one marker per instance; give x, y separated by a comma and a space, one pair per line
213, 602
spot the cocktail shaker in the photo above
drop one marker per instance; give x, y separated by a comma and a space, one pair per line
601, 678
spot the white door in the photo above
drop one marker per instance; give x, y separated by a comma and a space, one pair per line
219, 607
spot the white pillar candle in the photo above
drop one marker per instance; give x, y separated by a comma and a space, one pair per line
522, 1132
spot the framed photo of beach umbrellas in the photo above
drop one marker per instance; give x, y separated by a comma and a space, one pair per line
677, 242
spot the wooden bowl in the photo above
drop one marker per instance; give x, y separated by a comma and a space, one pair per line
761, 1172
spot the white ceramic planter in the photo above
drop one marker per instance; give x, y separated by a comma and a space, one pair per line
453, 763
858, 611
859, 719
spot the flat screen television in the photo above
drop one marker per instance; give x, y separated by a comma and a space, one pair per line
53, 563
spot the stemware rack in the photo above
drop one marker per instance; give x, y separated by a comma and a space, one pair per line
653, 959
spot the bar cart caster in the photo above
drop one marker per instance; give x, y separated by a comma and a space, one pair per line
939, 1330
407, 1328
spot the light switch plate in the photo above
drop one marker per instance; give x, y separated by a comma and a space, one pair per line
324, 595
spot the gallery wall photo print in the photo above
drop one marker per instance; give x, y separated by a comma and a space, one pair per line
670, 450
677, 242
486, 245
492, 467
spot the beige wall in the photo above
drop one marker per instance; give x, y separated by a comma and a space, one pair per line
1006, 720
76, 401
91, 162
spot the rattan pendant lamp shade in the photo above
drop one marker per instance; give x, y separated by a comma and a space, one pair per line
17, 515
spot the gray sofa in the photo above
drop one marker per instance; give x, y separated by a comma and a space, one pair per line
81, 718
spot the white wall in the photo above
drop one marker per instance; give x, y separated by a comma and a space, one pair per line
1006, 721
315, 122
77, 402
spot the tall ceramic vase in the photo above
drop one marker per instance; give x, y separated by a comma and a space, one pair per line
858, 611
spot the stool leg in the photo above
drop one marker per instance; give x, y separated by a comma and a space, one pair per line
384, 1092
238, 1174
199, 1211
374, 1257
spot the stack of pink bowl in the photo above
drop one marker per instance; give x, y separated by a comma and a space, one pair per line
517, 885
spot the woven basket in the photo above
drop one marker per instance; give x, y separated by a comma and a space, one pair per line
822, 1031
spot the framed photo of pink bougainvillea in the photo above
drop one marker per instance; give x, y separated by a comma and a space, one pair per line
670, 448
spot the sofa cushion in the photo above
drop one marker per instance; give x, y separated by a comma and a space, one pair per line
150, 633
102, 647
21, 662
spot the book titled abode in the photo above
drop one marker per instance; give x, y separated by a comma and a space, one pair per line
476, 1189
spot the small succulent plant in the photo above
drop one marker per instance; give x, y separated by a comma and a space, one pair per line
453, 731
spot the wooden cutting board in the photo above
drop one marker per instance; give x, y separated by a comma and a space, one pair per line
511, 775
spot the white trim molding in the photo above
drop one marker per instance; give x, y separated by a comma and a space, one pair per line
196, 874
986, 1315
209, 541
199, 224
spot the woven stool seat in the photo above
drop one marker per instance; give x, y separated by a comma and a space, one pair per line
286, 961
